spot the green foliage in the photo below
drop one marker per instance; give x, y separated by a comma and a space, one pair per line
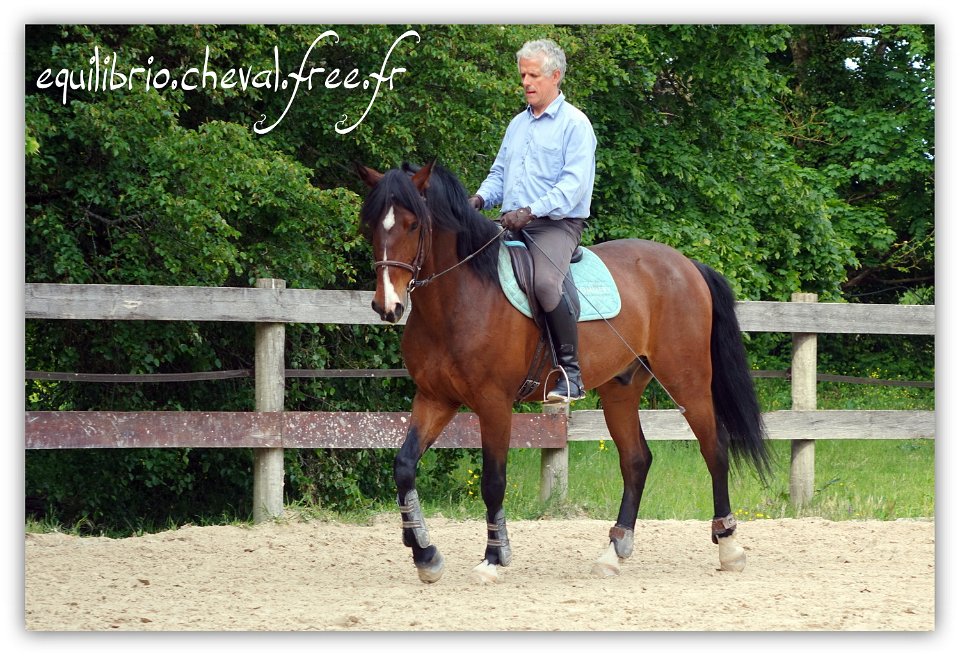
707, 169
360, 479
788, 157
862, 113
129, 489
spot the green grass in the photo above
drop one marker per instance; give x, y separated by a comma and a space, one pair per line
774, 395
855, 479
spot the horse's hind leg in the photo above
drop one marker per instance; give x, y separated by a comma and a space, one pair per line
702, 420
427, 421
621, 397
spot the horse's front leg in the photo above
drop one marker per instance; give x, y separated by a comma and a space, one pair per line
495, 436
427, 421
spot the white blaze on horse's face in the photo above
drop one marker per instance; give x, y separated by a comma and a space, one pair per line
393, 247
389, 220
390, 297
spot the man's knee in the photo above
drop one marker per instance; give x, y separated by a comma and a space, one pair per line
548, 294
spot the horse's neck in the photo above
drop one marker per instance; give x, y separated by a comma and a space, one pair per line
455, 288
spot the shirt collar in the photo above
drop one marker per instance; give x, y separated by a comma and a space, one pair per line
551, 110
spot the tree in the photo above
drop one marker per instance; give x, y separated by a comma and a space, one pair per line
862, 111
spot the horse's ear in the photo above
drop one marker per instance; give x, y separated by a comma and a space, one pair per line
421, 179
369, 176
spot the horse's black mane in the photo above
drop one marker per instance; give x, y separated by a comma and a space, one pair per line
446, 199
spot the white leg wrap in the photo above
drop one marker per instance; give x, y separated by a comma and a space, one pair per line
414, 521
502, 541
622, 540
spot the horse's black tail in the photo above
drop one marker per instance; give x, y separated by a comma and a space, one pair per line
739, 420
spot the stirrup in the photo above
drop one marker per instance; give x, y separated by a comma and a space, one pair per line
557, 396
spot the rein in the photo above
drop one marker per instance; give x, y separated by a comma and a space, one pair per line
414, 283
415, 266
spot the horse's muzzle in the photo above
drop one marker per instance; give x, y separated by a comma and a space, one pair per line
393, 316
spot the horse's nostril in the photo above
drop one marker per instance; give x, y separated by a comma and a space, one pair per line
394, 315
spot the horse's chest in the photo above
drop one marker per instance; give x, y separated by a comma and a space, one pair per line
426, 355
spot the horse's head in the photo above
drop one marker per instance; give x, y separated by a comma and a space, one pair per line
395, 220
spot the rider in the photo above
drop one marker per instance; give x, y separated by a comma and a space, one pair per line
542, 179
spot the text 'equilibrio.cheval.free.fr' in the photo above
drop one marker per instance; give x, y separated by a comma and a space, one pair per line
105, 74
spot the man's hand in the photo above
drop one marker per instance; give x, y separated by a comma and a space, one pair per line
517, 219
475, 201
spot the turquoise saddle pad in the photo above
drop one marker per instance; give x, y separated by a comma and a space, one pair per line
599, 297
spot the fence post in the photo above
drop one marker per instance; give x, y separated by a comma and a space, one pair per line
803, 379
553, 463
270, 384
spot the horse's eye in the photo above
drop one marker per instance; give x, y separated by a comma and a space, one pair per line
414, 225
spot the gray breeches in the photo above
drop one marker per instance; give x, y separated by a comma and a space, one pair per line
554, 242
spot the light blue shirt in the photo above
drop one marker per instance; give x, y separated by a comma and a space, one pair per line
546, 163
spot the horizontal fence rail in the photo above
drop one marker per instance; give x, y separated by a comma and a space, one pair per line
292, 306
187, 377
272, 429
220, 375
206, 304
781, 425
336, 430
269, 429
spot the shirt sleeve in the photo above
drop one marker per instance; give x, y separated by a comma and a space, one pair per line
576, 177
491, 189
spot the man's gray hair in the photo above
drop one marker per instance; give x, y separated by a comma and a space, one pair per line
553, 57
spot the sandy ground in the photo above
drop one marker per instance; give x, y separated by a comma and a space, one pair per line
805, 574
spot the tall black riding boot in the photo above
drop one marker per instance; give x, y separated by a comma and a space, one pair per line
562, 323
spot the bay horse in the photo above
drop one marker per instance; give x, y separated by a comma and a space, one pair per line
464, 344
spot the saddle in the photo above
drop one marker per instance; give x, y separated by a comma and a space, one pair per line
588, 278
587, 274
522, 267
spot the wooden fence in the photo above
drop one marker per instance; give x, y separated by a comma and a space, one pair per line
268, 429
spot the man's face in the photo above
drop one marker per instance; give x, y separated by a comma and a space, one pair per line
539, 89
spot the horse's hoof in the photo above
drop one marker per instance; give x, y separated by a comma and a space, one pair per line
431, 571
732, 556
607, 564
485, 573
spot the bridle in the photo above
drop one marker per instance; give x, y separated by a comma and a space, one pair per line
414, 267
